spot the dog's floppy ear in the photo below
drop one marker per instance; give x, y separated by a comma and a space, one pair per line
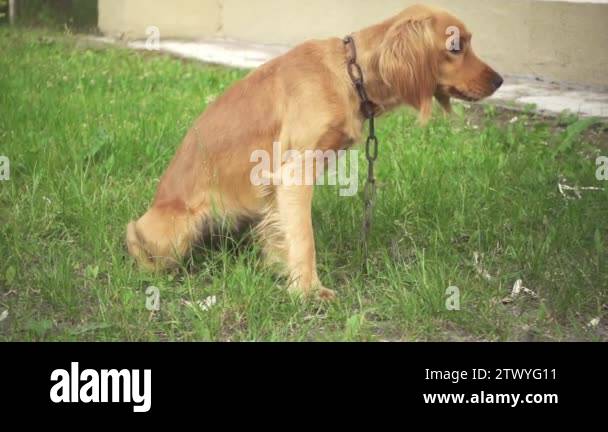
408, 63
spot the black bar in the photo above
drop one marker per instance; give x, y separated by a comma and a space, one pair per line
383, 377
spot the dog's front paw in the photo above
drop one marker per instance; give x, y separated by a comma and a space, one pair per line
317, 292
325, 294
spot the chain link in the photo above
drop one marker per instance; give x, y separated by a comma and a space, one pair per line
371, 145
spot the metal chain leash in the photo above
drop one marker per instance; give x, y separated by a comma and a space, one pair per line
371, 145
369, 193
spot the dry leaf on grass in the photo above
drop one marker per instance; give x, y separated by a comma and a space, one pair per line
477, 259
564, 188
517, 290
203, 305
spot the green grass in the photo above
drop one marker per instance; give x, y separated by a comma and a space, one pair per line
58, 14
89, 132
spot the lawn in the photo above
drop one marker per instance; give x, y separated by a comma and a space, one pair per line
470, 201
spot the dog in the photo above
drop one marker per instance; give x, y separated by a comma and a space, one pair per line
304, 100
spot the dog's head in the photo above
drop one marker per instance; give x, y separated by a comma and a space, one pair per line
427, 52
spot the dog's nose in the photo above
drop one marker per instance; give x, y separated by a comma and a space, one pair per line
497, 82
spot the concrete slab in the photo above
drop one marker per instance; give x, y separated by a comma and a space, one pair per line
550, 98
219, 51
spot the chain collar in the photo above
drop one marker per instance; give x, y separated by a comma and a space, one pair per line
355, 72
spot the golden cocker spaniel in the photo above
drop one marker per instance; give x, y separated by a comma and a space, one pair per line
304, 100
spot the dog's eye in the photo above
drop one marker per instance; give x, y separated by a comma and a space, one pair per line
456, 50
